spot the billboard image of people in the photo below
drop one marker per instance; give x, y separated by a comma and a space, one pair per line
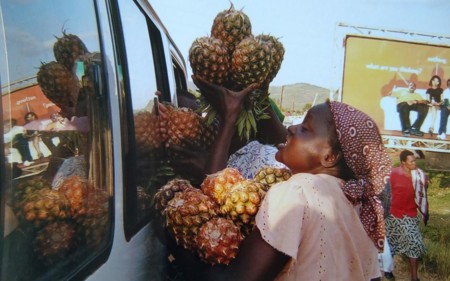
401, 85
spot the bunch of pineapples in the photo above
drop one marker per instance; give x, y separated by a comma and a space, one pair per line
213, 220
234, 58
58, 79
59, 220
158, 136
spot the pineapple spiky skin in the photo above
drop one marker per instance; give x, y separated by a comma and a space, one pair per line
93, 220
60, 86
251, 62
24, 188
272, 175
277, 55
43, 206
67, 49
183, 125
216, 185
54, 241
168, 191
186, 213
242, 202
147, 130
210, 59
75, 190
231, 26
218, 241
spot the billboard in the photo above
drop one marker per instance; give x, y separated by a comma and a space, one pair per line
374, 67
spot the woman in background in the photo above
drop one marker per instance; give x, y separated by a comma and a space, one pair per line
434, 94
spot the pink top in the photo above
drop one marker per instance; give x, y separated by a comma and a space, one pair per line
309, 219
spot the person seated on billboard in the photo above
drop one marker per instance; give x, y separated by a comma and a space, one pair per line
445, 112
14, 136
69, 139
407, 101
33, 135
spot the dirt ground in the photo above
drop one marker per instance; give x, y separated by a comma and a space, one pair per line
401, 271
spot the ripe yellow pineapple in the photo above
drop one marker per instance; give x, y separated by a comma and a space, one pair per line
210, 59
186, 213
231, 26
25, 187
45, 205
54, 241
218, 241
216, 185
242, 202
272, 175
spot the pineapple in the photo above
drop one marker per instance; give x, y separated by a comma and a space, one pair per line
216, 185
26, 187
75, 189
168, 191
54, 241
242, 202
218, 241
186, 213
60, 86
147, 130
210, 59
93, 219
67, 49
277, 55
45, 205
272, 175
231, 26
251, 62
183, 125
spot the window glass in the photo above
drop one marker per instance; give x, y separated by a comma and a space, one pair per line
140, 83
55, 178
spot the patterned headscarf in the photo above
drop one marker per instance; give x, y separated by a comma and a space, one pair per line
366, 156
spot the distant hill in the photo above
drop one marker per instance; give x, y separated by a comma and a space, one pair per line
292, 97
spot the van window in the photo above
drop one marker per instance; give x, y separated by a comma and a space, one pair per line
145, 72
56, 175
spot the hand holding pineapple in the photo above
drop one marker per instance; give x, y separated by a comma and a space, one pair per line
227, 103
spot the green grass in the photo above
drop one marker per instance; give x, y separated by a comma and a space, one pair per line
437, 233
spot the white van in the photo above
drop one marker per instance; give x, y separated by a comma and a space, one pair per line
84, 68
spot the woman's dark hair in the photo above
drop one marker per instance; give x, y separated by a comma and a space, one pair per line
404, 154
30, 113
432, 78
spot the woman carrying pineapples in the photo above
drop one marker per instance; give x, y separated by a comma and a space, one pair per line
324, 223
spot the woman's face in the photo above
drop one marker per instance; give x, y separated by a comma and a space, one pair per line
307, 142
410, 162
435, 82
29, 117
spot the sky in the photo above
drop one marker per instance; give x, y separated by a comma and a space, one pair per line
308, 29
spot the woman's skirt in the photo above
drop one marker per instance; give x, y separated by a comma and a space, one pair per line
404, 236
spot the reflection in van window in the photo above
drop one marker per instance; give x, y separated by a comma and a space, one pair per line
55, 140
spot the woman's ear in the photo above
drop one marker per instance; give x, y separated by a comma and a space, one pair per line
331, 158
